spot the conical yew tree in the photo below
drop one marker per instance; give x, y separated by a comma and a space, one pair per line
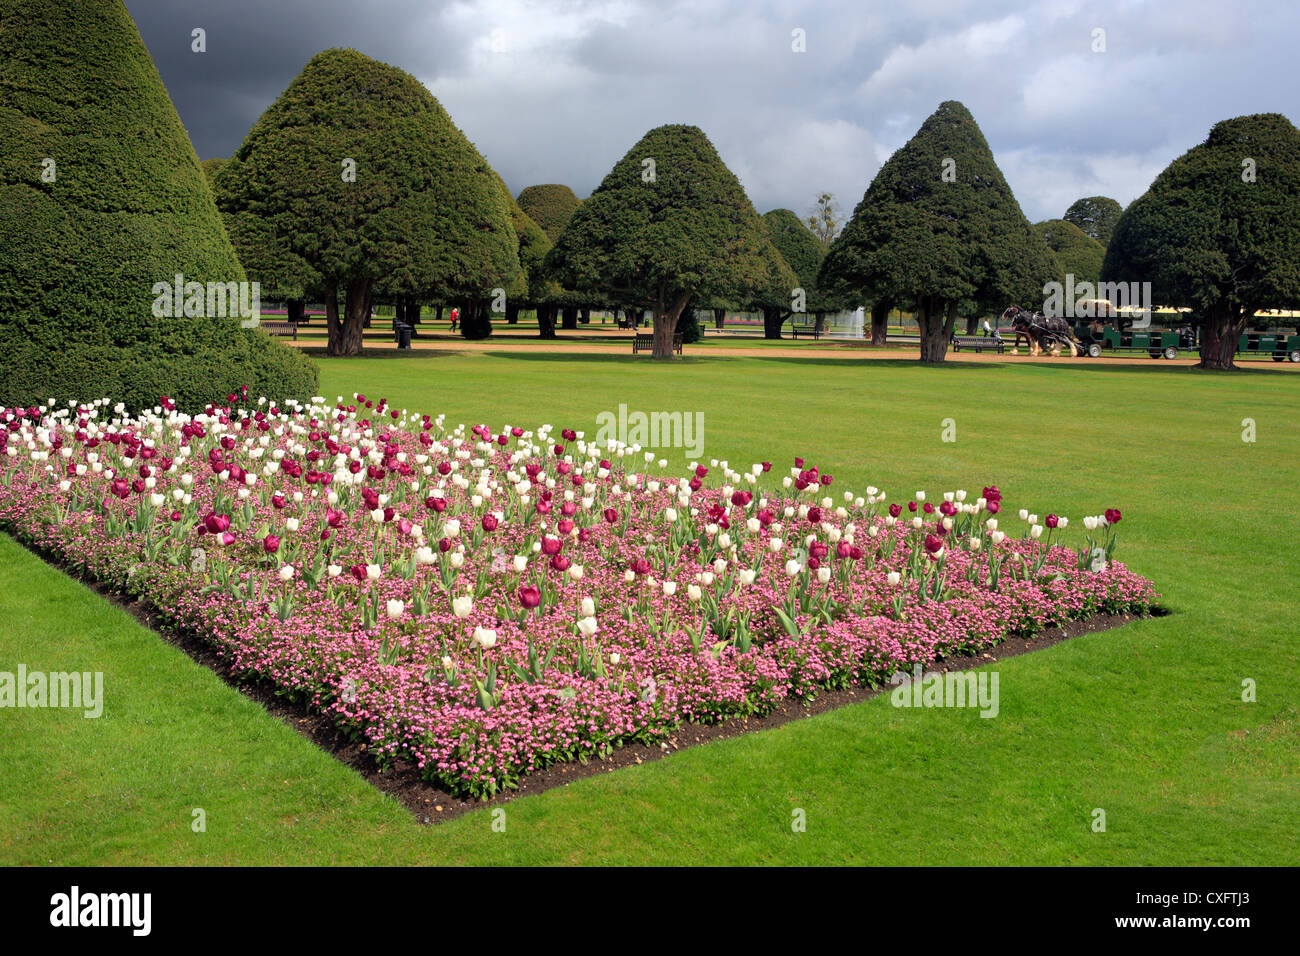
1096, 216
102, 199
804, 252
1076, 253
356, 173
551, 206
1217, 231
939, 227
670, 222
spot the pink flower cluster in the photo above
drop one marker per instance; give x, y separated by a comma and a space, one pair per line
486, 602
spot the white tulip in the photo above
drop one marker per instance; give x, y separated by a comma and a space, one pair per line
588, 607
792, 567
893, 578
395, 608
587, 626
462, 606
286, 573
823, 574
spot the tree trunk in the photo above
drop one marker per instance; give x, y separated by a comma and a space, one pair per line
584, 315
296, 309
880, 322
413, 314
719, 318
476, 320
633, 317
546, 321
971, 325
772, 322
438, 317
356, 312
819, 322
665, 331
935, 327
569, 317
333, 324
512, 313
1219, 337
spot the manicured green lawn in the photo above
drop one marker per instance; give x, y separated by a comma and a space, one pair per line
1145, 722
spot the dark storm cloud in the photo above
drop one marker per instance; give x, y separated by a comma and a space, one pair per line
559, 90
254, 49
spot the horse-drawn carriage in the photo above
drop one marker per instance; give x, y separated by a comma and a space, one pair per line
1043, 333
1160, 333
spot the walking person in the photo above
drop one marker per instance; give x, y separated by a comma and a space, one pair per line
455, 317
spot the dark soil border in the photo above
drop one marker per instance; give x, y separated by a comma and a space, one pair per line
431, 804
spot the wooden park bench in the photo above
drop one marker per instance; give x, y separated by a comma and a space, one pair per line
275, 327
979, 343
805, 330
646, 343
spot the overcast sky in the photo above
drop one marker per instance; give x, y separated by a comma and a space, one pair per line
559, 90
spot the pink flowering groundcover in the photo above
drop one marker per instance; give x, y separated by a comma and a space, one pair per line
488, 601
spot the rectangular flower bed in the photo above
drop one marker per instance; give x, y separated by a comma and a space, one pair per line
487, 602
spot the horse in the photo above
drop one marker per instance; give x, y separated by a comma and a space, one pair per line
1040, 331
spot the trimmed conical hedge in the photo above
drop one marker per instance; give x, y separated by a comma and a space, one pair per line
670, 224
356, 175
1076, 252
551, 206
127, 206
1217, 231
939, 227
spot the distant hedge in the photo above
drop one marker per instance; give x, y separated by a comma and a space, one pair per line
551, 206
124, 206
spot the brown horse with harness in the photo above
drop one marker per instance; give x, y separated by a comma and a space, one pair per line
1043, 333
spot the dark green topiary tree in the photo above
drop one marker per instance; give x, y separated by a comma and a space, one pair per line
1096, 216
356, 174
1078, 254
121, 206
211, 167
803, 251
670, 222
551, 206
939, 227
1217, 231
